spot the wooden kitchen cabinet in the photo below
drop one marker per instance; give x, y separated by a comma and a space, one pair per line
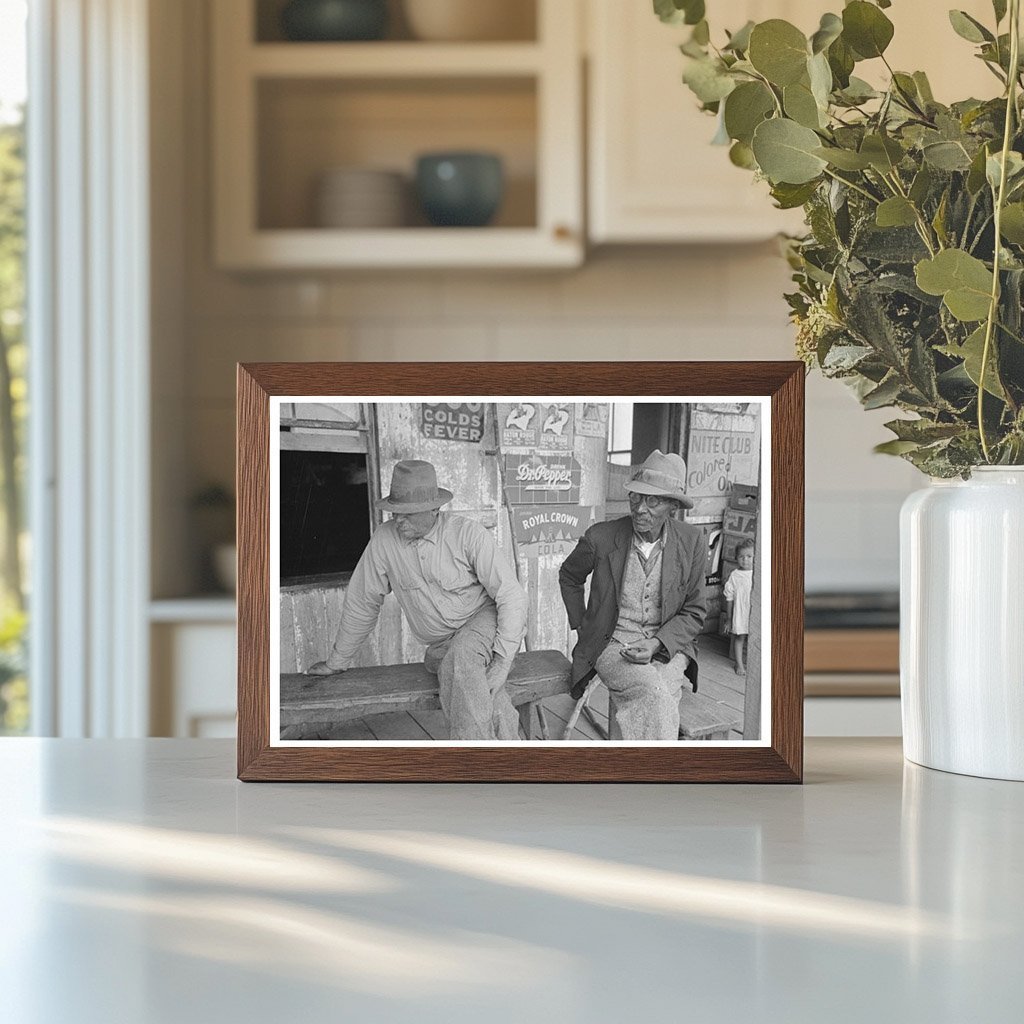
287, 113
653, 175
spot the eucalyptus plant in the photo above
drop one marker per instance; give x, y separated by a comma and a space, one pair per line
909, 279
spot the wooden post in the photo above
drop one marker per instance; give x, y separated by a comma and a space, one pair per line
752, 690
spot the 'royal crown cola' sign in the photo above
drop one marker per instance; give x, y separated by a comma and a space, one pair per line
549, 529
542, 479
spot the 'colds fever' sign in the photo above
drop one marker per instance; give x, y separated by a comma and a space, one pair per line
453, 421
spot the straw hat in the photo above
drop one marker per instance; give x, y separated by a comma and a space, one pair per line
661, 474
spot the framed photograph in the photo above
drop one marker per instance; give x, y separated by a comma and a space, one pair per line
520, 572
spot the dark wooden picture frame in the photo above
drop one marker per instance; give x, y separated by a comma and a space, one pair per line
780, 760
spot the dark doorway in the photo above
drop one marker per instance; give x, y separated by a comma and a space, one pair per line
325, 513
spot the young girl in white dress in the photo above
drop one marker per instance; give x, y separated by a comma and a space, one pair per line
737, 604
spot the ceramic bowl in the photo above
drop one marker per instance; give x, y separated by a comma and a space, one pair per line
469, 20
358, 197
460, 189
334, 20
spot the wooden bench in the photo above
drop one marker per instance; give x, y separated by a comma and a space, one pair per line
310, 700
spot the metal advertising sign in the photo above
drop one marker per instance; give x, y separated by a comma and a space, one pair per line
542, 479
549, 529
453, 421
592, 419
556, 427
520, 427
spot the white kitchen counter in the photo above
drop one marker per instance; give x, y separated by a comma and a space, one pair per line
142, 884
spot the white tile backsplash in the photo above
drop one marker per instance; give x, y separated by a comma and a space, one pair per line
718, 302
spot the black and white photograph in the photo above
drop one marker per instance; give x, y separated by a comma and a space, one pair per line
525, 570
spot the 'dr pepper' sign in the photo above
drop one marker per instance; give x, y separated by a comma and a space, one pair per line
542, 479
453, 421
549, 529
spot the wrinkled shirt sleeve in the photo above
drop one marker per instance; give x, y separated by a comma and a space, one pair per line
363, 599
498, 578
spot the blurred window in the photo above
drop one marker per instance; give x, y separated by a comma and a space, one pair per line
14, 547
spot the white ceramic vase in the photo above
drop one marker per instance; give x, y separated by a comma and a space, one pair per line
962, 624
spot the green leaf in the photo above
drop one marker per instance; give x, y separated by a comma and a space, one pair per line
739, 41
800, 105
789, 197
976, 174
742, 155
676, 12
820, 76
923, 431
745, 108
895, 447
971, 352
883, 153
844, 159
921, 185
999, 7
896, 212
939, 220
695, 11
885, 394
994, 167
963, 281
707, 80
947, 156
778, 50
829, 30
968, 28
841, 60
785, 152
866, 29
701, 33
721, 137
924, 88
858, 91
1012, 223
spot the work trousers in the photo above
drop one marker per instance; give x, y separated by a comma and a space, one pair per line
474, 697
645, 697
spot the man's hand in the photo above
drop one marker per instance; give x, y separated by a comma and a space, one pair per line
321, 668
641, 652
497, 672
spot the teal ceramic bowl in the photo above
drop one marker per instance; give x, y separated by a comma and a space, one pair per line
461, 190
333, 21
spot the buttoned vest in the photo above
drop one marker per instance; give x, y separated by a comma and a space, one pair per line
639, 597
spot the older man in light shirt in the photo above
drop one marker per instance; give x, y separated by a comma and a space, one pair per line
459, 595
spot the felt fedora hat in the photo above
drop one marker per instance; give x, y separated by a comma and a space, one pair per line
414, 489
661, 474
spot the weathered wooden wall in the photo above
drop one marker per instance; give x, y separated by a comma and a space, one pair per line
547, 625
473, 472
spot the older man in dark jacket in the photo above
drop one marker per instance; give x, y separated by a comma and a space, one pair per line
647, 603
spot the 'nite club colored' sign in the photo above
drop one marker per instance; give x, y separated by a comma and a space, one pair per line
549, 529
542, 479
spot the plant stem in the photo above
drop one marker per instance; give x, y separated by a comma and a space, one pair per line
922, 225
855, 187
993, 309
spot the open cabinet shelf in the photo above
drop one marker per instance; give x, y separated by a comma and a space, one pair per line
286, 114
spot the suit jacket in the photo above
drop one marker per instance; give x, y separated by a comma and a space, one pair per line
602, 551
